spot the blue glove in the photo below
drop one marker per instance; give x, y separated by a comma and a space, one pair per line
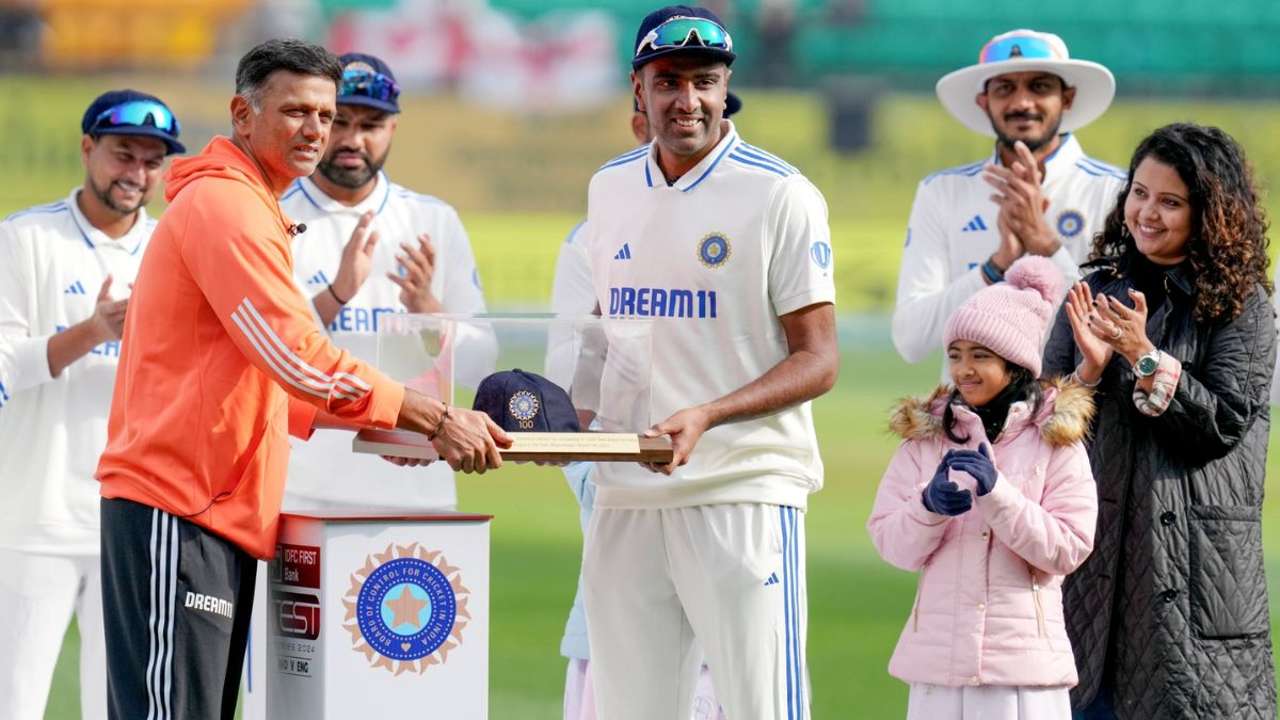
978, 465
944, 497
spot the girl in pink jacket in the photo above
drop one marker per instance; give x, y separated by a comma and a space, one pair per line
991, 499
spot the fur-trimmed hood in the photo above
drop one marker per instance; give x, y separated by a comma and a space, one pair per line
1063, 419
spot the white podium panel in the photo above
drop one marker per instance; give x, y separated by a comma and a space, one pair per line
377, 616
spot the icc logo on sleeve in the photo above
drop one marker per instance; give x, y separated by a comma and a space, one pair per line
821, 253
405, 609
714, 250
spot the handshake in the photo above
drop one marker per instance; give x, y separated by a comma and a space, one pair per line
943, 496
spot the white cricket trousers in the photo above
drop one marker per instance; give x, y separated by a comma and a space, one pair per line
987, 702
580, 697
38, 596
731, 576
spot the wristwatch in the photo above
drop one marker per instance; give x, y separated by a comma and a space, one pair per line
1146, 365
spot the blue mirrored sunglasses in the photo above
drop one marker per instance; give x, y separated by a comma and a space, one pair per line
1024, 46
680, 31
364, 83
138, 113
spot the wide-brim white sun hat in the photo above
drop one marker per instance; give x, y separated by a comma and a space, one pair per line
1027, 51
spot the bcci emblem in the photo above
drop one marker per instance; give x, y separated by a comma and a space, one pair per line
403, 609
524, 408
714, 250
1070, 223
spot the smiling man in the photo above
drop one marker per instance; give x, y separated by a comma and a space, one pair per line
65, 271
728, 249
372, 248
1037, 193
221, 361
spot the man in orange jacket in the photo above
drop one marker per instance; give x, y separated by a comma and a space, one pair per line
221, 358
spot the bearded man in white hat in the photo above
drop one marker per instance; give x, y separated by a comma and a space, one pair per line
1038, 193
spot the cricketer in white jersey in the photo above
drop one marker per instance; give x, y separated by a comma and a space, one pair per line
727, 248
65, 272
1037, 193
572, 295
321, 470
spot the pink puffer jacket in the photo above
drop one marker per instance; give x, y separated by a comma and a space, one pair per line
988, 607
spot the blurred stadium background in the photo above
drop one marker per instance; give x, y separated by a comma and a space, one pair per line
509, 107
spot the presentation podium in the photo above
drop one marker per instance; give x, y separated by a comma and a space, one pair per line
379, 615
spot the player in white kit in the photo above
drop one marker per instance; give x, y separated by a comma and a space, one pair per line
65, 273
572, 295
728, 249
1037, 193
371, 248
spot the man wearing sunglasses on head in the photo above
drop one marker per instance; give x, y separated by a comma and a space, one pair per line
1038, 193
727, 248
573, 295
228, 363
65, 273
371, 248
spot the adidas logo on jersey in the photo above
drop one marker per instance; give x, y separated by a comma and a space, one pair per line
624, 253
773, 580
75, 288
975, 225
318, 279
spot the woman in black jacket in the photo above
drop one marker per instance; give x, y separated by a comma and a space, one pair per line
1169, 617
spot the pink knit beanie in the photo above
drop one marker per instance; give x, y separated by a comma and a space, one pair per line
1011, 318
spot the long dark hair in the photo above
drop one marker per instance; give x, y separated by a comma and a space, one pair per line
1228, 244
1024, 386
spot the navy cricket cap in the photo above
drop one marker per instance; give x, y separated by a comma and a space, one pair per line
520, 401
685, 43
129, 112
368, 81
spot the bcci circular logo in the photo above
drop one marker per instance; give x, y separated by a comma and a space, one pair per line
714, 250
1070, 223
403, 609
523, 406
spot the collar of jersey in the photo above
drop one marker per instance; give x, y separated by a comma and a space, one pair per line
376, 201
698, 173
1060, 162
93, 237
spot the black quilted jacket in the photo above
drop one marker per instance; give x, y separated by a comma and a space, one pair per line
1170, 611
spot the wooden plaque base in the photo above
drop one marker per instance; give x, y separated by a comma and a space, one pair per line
529, 446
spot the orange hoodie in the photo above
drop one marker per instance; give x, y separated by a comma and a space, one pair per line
221, 359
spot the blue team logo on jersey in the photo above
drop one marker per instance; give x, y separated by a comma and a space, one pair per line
403, 609
1070, 223
821, 254
714, 250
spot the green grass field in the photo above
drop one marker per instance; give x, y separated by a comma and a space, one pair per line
857, 604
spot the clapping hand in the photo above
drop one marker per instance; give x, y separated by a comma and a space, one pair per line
1022, 203
1123, 328
1095, 352
418, 261
978, 465
943, 496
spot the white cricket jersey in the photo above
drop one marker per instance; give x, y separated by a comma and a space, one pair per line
715, 259
952, 232
52, 430
324, 471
